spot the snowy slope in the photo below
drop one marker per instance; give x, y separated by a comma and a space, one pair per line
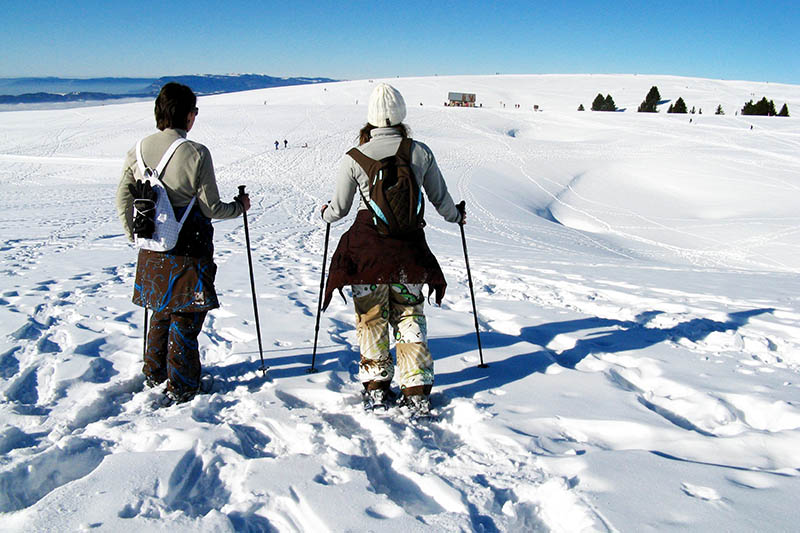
636, 280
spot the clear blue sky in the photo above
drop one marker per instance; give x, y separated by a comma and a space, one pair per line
351, 40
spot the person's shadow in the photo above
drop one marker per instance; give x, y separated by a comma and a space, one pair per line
625, 336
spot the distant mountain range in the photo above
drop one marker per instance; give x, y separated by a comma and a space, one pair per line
39, 90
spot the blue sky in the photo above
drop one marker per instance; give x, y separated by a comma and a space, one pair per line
351, 40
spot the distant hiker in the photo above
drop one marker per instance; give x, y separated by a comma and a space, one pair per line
305, 145
276, 144
285, 143
387, 271
177, 285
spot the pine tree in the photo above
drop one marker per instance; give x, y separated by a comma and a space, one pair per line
763, 107
784, 111
597, 105
580, 108
650, 101
679, 107
608, 104
719, 110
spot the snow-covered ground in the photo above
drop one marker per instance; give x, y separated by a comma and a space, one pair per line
636, 277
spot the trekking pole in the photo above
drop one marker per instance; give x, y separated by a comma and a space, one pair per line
462, 209
252, 282
319, 304
144, 347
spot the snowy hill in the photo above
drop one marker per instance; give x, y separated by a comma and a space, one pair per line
636, 276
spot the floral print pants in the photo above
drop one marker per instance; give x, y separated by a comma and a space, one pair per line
400, 305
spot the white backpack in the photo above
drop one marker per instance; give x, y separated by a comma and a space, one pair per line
167, 227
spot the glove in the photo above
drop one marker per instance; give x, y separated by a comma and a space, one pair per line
142, 190
144, 209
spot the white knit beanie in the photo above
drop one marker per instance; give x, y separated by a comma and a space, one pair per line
386, 104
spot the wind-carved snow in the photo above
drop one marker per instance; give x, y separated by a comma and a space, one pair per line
636, 279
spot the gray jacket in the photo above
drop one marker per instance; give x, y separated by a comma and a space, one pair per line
384, 143
190, 172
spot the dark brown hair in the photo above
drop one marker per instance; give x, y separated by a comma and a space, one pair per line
366, 132
173, 104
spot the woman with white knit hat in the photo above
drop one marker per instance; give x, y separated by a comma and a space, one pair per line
387, 272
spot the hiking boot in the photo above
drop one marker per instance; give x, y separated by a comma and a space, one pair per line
171, 397
417, 405
377, 399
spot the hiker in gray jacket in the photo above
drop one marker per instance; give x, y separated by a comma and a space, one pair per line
387, 272
177, 285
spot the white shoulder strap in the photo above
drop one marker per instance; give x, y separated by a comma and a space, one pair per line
164, 160
168, 154
139, 159
188, 208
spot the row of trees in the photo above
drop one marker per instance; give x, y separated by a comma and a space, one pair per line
764, 107
653, 98
603, 103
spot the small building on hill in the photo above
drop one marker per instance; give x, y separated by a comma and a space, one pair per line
461, 99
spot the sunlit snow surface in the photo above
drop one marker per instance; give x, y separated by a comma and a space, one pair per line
637, 285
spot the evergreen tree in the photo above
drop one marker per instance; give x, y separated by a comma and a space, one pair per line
608, 104
650, 101
679, 107
784, 111
670, 109
763, 107
719, 110
580, 108
597, 105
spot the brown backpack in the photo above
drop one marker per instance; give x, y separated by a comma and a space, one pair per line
395, 199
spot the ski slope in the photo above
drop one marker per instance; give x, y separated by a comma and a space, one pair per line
636, 279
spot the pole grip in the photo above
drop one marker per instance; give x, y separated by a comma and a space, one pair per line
462, 208
241, 190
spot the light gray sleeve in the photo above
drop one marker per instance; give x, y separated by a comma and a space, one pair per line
436, 189
124, 200
346, 187
208, 193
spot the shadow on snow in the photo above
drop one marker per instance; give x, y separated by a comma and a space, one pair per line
626, 335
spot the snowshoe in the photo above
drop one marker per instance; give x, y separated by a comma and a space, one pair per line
377, 399
417, 407
170, 397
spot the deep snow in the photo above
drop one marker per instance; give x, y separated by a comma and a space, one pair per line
637, 287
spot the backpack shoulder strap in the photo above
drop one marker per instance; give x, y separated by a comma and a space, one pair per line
168, 155
365, 162
139, 159
186, 212
164, 159
404, 150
